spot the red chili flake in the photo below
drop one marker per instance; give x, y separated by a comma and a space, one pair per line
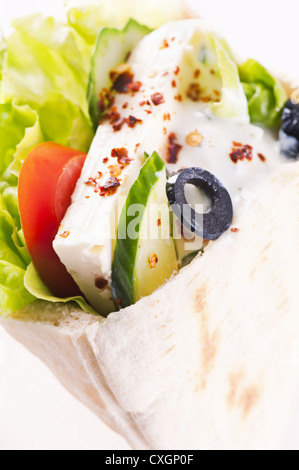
241, 153
177, 70
172, 39
132, 121
114, 115
87, 197
173, 83
110, 187
125, 105
137, 147
90, 182
165, 74
153, 260
197, 73
121, 155
166, 117
194, 92
101, 283
119, 301
157, 98
237, 144
178, 98
117, 126
122, 81
65, 234
261, 157
134, 86
106, 100
173, 149
235, 230
165, 130
159, 222
105, 160
165, 44
143, 103
100, 174
148, 111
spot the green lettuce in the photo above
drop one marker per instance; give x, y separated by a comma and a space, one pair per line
88, 16
265, 95
233, 102
44, 68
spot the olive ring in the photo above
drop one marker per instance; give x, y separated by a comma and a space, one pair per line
211, 225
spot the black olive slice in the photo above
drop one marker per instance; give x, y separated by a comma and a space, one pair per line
289, 133
211, 225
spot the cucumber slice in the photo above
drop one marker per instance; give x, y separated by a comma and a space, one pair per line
145, 256
111, 49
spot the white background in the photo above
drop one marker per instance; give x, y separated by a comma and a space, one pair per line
35, 411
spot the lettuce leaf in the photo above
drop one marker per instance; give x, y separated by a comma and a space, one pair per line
44, 56
233, 102
265, 95
44, 68
87, 17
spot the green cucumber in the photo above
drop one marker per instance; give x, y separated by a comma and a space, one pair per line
111, 49
145, 256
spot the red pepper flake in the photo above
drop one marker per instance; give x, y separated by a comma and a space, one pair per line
165, 74
237, 144
115, 170
110, 187
173, 149
194, 92
119, 301
197, 74
65, 234
137, 147
235, 230
134, 86
114, 115
166, 117
178, 98
101, 283
172, 39
157, 99
132, 121
241, 153
100, 174
173, 84
261, 157
122, 81
125, 105
153, 260
106, 100
121, 155
165, 130
177, 70
143, 103
159, 222
105, 160
165, 44
148, 111
117, 126
87, 197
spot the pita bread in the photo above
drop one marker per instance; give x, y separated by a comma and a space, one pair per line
208, 361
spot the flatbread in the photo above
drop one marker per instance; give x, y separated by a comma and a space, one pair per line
209, 360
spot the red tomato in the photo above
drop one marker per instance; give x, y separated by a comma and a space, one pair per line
47, 181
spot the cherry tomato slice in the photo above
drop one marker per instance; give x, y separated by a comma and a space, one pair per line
47, 180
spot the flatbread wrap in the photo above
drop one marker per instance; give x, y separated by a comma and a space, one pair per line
207, 359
